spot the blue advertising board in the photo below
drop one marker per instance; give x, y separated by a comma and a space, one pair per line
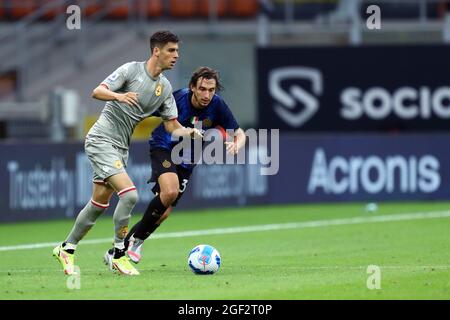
368, 167
390, 88
48, 181
44, 181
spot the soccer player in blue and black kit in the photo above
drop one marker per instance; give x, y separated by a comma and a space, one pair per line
197, 104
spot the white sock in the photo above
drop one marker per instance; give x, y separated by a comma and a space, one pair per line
119, 245
70, 246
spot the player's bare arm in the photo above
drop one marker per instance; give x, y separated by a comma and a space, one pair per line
239, 138
175, 128
104, 94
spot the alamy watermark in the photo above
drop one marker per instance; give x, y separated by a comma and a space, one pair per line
374, 280
194, 151
373, 22
73, 281
73, 21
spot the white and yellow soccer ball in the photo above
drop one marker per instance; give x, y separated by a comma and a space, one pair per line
204, 259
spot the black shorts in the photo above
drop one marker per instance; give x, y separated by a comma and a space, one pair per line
162, 163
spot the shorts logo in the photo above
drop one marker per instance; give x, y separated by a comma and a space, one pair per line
207, 123
158, 90
166, 164
118, 164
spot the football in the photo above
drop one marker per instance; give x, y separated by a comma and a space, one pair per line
204, 259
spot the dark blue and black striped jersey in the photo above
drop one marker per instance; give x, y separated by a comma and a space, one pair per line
217, 113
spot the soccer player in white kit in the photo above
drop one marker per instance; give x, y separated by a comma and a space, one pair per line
132, 93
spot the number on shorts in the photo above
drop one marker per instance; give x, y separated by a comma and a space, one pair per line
184, 185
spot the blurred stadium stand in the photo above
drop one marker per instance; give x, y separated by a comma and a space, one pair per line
38, 52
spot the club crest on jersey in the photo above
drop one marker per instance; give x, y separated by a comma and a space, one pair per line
118, 164
207, 123
158, 89
166, 164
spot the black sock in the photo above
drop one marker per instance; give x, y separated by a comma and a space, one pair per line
118, 253
133, 230
126, 241
152, 229
151, 216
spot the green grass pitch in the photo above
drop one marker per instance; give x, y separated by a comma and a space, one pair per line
327, 260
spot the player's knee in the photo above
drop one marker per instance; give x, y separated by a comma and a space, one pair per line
133, 198
129, 198
169, 194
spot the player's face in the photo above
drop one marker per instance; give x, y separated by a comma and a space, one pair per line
168, 55
203, 92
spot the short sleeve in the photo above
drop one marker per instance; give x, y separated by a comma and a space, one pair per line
117, 79
226, 119
168, 109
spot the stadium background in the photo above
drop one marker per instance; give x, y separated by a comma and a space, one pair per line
363, 112
48, 72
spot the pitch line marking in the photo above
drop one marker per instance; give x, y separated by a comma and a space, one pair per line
258, 228
304, 268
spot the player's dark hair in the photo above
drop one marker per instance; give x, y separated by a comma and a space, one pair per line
161, 38
205, 73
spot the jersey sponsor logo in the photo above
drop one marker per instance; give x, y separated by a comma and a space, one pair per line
166, 164
118, 164
158, 89
207, 123
294, 104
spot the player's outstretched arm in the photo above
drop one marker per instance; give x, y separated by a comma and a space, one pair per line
104, 94
176, 129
